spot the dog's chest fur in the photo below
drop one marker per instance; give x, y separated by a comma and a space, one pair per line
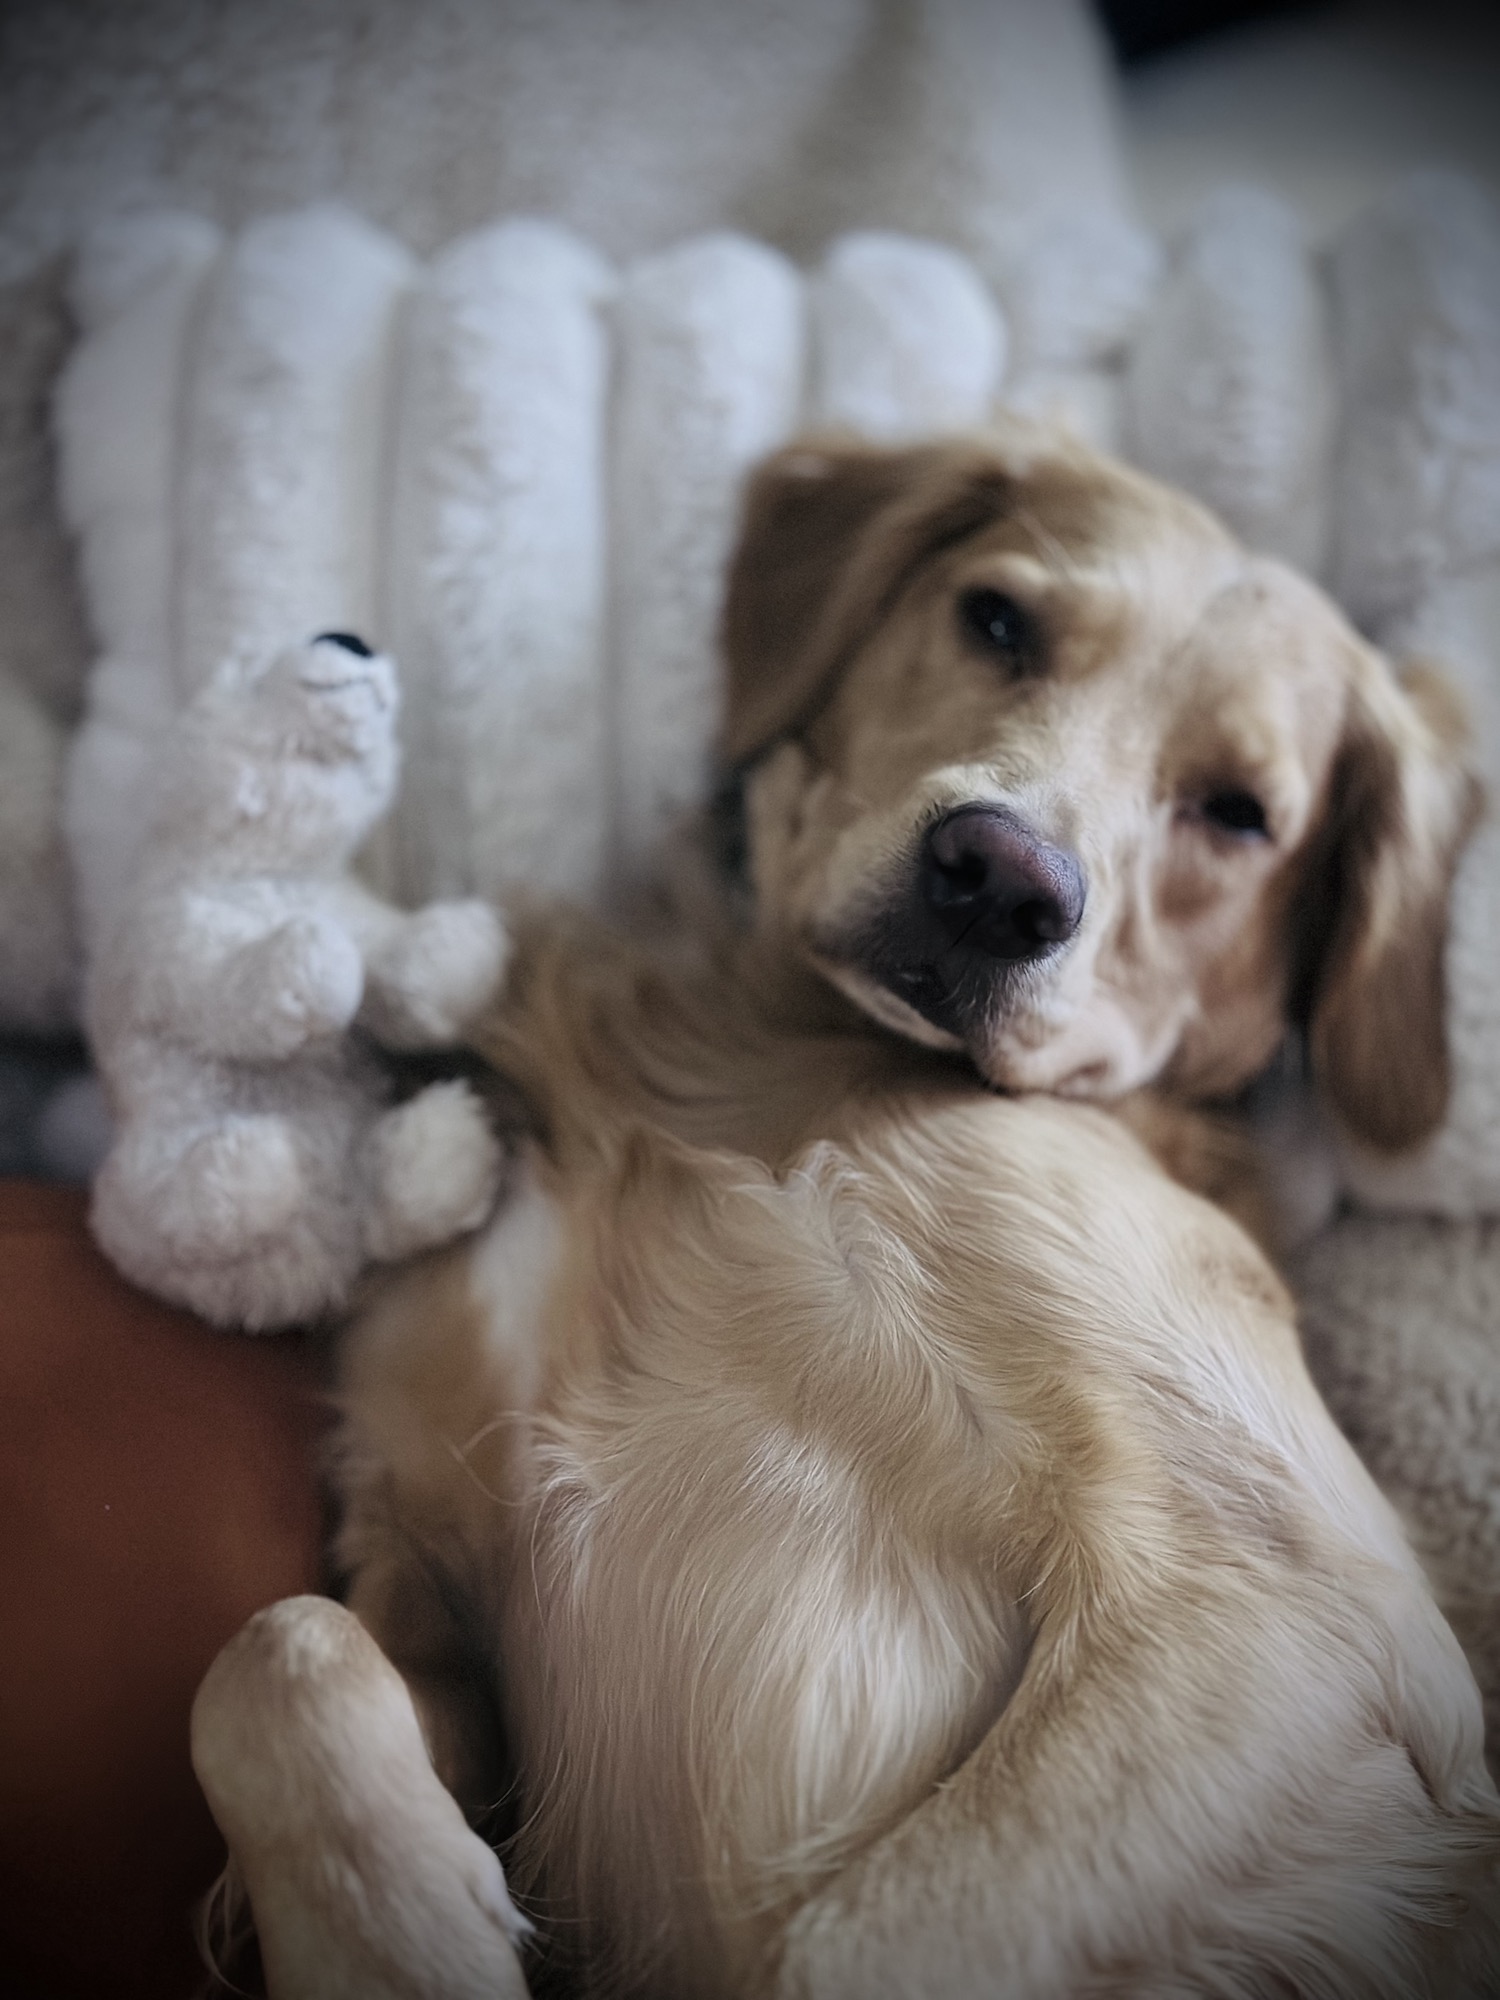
750, 1583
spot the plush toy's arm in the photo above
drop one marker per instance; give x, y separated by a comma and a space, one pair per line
239, 978
428, 972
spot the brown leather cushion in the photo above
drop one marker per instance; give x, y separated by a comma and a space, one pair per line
157, 1482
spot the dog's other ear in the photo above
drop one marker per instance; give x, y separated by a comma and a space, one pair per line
1402, 802
830, 535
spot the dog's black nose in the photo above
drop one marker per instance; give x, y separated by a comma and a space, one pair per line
350, 641
998, 888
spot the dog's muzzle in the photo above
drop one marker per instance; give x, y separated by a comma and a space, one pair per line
988, 896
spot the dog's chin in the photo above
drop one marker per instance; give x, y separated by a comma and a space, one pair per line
953, 1002
920, 1011
873, 997
1095, 1056
1083, 1061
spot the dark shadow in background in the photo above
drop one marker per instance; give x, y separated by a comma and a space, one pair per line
1138, 29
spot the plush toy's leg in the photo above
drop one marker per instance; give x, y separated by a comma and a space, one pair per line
226, 1218
365, 1882
434, 1169
200, 1193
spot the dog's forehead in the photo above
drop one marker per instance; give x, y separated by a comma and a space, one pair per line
1159, 579
1089, 510
1099, 545
1269, 639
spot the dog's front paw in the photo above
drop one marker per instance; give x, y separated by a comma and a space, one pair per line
362, 1875
434, 1170
438, 971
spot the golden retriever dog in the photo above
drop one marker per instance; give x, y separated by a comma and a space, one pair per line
858, 1520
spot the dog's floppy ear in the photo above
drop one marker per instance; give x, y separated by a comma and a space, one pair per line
831, 533
1402, 802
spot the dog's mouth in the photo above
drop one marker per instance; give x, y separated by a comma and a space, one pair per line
953, 994
953, 1000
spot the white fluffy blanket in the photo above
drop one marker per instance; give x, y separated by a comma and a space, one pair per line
511, 448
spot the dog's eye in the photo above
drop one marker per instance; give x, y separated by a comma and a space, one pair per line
1000, 626
1236, 812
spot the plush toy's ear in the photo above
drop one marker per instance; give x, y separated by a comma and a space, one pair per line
1402, 803
831, 534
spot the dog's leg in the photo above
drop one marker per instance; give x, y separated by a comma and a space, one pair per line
437, 1374
1109, 1834
400, 1602
366, 1884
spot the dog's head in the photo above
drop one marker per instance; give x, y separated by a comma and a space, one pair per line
1041, 764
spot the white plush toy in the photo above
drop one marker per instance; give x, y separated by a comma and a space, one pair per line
257, 1162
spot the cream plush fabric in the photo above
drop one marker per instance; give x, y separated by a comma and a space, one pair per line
709, 347
636, 123
1402, 1321
1229, 384
1416, 295
494, 565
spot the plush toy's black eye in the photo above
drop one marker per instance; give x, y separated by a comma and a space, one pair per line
350, 641
1236, 812
1000, 627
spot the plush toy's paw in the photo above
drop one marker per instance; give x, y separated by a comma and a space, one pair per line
303, 980
435, 974
434, 1172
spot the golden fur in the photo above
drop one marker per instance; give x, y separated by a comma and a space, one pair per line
873, 1533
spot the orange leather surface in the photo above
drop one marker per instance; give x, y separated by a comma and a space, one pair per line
157, 1485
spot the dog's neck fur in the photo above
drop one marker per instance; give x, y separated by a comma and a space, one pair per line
709, 1034
712, 1028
